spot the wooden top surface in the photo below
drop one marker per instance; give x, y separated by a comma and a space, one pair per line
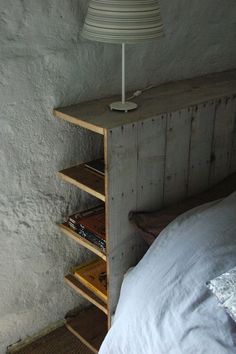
169, 97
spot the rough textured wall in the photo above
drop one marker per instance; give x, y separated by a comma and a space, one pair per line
44, 64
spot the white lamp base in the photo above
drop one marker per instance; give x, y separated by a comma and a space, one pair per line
123, 107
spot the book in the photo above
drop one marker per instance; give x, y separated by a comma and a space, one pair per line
95, 222
96, 166
93, 275
90, 224
97, 241
92, 219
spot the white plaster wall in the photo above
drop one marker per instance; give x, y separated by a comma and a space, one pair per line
44, 64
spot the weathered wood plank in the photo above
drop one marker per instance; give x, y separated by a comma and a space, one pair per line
223, 139
151, 155
233, 148
177, 155
122, 245
200, 147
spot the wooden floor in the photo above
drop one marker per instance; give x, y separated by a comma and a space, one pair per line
60, 341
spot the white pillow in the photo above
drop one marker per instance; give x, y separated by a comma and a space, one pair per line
224, 288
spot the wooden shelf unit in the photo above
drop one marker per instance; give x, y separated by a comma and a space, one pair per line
94, 184
152, 158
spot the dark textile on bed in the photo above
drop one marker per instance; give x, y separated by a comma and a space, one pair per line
150, 224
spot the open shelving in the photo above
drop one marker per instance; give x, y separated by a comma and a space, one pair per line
91, 325
118, 256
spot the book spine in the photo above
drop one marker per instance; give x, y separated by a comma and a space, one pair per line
88, 235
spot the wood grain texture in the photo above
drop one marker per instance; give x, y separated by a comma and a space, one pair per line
177, 155
223, 139
203, 119
152, 224
123, 248
90, 326
170, 97
151, 143
233, 149
161, 160
82, 241
85, 292
85, 179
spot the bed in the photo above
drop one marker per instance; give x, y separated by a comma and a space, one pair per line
165, 305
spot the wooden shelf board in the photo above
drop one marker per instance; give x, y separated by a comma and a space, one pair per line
85, 179
82, 241
90, 326
85, 292
96, 115
64, 114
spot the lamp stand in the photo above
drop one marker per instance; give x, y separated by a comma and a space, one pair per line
123, 105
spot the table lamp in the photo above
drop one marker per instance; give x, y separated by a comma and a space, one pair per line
123, 22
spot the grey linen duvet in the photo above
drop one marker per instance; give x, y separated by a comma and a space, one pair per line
165, 306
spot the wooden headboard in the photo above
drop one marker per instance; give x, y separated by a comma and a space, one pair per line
178, 143
164, 159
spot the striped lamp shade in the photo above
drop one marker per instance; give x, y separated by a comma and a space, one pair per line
123, 21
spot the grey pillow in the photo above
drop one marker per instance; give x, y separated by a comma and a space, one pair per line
224, 288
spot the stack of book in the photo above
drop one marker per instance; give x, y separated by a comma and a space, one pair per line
90, 224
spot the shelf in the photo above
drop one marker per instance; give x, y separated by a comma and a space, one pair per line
85, 179
82, 241
90, 326
85, 292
